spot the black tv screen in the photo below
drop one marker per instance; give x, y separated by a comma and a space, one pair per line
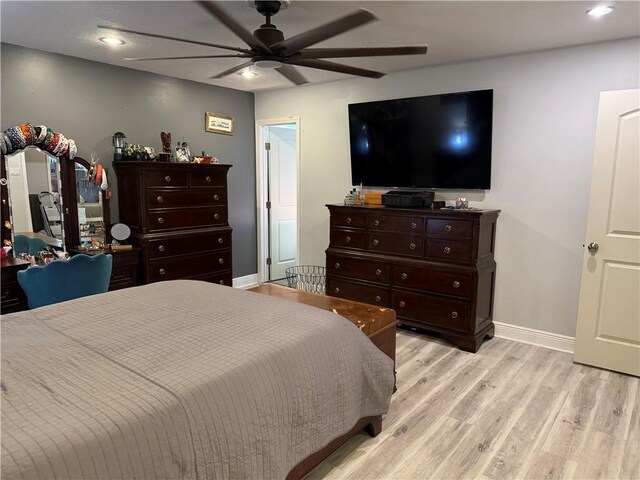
439, 141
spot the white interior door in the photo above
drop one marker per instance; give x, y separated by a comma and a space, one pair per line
608, 330
283, 195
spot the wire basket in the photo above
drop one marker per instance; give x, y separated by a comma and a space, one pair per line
308, 278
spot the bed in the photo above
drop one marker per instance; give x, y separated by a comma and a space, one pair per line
182, 379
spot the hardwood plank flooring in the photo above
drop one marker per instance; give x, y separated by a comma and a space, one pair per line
510, 411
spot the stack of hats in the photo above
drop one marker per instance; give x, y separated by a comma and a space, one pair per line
25, 134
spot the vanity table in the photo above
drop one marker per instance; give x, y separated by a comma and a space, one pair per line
125, 266
12, 298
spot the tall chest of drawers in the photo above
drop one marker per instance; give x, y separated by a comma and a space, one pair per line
435, 268
179, 218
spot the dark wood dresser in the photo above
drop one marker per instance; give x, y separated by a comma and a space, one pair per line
124, 266
178, 217
13, 298
435, 268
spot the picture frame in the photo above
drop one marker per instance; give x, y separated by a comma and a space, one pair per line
182, 155
218, 123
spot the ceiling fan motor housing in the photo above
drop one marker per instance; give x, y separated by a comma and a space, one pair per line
268, 34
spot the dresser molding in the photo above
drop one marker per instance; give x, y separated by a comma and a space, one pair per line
436, 268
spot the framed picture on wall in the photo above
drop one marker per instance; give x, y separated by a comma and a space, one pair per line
218, 123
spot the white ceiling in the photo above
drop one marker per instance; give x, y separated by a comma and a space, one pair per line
454, 30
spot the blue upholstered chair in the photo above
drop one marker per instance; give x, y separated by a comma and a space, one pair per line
24, 244
60, 281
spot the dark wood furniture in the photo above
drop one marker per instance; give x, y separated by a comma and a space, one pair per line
13, 298
178, 217
379, 324
435, 268
125, 266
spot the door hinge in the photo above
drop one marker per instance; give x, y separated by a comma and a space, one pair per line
268, 205
267, 146
269, 261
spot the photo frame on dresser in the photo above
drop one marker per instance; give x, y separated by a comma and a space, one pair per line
182, 155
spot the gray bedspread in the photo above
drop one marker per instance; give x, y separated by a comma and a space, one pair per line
181, 379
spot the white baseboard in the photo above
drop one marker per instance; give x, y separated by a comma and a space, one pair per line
245, 282
554, 341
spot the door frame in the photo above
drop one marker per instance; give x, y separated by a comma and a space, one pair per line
261, 191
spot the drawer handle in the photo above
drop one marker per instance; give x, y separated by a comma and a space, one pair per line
221, 282
348, 220
414, 225
403, 276
378, 299
208, 179
160, 220
412, 246
221, 261
162, 271
216, 216
376, 222
167, 179
447, 228
336, 290
447, 250
378, 272
454, 314
160, 199
337, 265
402, 304
456, 284
375, 242
161, 248
221, 240
216, 197
347, 239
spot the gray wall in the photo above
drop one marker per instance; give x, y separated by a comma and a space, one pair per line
89, 101
544, 121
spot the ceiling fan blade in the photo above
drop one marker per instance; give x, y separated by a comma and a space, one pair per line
291, 74
166, 37
328, 30
234, 26
335, 67
359, 52
141, 59
233, 70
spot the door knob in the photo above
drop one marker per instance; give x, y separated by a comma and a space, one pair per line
593, 248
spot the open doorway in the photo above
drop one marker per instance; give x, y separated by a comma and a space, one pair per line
278, 153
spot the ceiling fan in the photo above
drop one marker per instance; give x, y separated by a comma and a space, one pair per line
268, 47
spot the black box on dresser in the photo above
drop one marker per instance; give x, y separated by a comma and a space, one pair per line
178, 216
435, 268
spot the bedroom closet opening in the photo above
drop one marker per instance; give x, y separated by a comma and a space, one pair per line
277, 154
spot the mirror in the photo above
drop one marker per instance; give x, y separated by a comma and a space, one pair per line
35, 196
91, 222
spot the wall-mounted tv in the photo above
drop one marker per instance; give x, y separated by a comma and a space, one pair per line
438, 141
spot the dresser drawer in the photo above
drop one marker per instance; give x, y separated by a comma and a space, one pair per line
348, 238
429, 310
189, 266
449, 250
371, 270
167, 178
354, 220
410, 245
449, 282
162, 198
187, 218
123, 276
221, 278
208, 178
185, 244
12, 298
395, 224
450, 228
359, 292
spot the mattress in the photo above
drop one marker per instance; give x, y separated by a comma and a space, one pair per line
181, 379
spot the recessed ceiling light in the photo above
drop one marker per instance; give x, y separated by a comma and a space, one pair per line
600, 11
248, 74
112, 40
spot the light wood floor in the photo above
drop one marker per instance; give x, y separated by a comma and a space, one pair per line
511, 411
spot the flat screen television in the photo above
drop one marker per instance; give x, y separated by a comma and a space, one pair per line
438, 141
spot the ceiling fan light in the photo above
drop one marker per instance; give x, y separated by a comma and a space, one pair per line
600, 11
112, 40
248, 74
267, 63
